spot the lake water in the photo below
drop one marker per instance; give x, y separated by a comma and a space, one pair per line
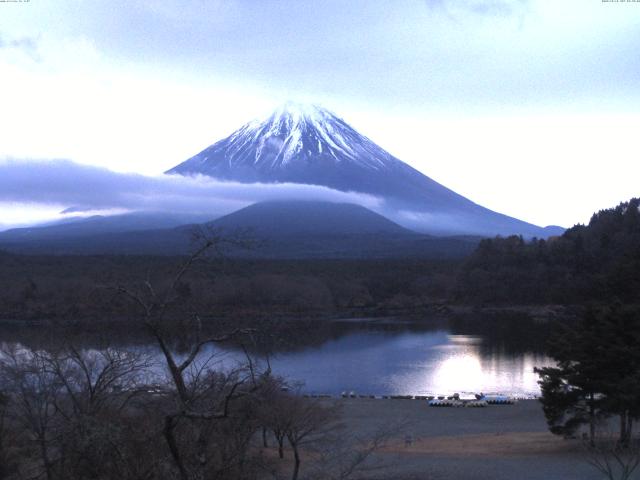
410, 363
395, 359
400, 358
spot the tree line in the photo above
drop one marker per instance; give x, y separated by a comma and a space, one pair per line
71, 289
597, 262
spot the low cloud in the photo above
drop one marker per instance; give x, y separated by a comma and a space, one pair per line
74, 188
500, 8
28, 45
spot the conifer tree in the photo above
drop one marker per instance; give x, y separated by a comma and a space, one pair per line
598, 373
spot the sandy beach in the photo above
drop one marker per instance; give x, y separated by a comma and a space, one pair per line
496, 442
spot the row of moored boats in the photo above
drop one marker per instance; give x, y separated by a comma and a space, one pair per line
455, 400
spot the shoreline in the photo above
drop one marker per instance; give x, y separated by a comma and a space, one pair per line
374, 314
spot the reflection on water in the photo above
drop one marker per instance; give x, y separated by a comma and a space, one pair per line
396, 358
429, 362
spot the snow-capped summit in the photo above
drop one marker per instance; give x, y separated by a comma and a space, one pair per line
293, 136
299, 131
303, 144
308, 144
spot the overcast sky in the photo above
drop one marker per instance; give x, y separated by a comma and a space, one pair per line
528, 107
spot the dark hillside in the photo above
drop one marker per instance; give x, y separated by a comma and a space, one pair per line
71, 289
595, 262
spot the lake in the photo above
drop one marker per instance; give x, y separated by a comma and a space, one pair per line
395, 357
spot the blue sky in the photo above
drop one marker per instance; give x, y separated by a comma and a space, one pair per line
529, 107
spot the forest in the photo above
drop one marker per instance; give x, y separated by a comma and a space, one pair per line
593, 263
71, 289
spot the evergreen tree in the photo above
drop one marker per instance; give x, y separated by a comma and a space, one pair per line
571, 392
620, 333
598, 373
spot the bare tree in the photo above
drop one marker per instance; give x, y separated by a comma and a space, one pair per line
613, 459
274, 416
75, 406
342, 455
7, 440
308, 420
98, 387
201, 397
35, 393
97, 379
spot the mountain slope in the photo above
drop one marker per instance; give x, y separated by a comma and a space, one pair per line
311, 229
310, 145
291, 218
97, 225
286, 230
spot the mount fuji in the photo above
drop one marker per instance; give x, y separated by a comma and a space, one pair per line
303, 146
310, 145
